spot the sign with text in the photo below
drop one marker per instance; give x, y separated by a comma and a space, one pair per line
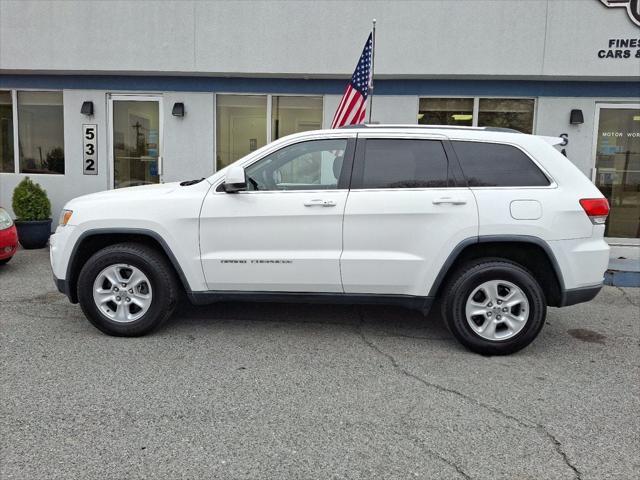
90, 149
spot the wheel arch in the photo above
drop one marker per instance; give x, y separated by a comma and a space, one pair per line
91, 241
531, 252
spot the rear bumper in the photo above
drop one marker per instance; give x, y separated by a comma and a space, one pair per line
574, 296
8, 242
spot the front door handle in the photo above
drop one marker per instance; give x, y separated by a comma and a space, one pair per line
449, 200
318, 202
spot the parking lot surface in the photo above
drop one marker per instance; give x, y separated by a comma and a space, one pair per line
311, 391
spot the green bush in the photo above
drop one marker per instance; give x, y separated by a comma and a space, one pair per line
30, 201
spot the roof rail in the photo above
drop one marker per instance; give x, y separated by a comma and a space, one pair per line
432, 127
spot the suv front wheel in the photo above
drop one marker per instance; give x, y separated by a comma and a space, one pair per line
127, 289
494, 306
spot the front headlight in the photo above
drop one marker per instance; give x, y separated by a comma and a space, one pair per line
5, 219
65, 216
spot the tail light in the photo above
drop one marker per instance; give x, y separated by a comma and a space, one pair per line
597, 209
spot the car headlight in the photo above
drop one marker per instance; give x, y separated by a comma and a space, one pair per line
5, 219
65, 216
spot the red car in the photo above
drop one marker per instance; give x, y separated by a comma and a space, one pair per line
8, 237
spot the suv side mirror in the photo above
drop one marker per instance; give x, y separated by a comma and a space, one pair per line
235, 180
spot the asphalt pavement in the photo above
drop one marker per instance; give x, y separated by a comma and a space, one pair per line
282, 391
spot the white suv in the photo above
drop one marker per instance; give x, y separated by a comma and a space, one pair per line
495, 224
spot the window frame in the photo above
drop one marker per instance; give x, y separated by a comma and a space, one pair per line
343, 182
16, 133
357, 177
476, 105
552, 182
269, 114
341, 177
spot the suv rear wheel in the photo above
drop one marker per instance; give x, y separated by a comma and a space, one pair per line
494, 306
127, 289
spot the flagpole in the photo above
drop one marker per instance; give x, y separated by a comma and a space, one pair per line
373, 63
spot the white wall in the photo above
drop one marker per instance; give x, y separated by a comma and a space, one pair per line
552, 118
73, 183
188, 147
478, 38
188, 140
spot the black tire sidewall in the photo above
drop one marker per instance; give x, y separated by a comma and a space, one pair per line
163, 298
479, 273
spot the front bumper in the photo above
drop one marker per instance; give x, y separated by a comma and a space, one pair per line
63, 287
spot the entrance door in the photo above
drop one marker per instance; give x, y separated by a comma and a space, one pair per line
136, 140
617, 166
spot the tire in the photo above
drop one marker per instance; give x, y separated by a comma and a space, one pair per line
474, 303
4, 261
127, 306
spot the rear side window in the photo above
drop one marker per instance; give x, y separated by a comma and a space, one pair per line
497, 165
402, 163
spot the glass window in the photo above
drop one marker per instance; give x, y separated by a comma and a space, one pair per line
446, 111
506, 113
41, 132
618, 168
313, 165
136, 142
6, 133
241, 126
404, 164
295, 114
497, 165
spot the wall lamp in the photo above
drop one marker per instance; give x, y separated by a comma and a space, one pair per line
576, 117
87, 108
178, 109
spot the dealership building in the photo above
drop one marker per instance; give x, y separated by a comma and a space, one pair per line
176, 90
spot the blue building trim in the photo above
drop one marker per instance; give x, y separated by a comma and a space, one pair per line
149, 83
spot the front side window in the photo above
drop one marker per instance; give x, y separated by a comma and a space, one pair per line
506, 113
497, 165
403, 163
41, 132
313, 165
6, 133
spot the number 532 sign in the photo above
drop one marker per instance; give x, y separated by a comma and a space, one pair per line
90, 149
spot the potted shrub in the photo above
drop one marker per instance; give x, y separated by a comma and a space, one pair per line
33, 214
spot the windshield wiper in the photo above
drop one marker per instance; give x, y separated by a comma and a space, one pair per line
186, 183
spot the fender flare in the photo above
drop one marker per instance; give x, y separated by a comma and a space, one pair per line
94, 232
457, 250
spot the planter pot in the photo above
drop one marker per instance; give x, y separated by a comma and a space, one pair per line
33, 234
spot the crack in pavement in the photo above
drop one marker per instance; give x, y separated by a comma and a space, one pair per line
627, 297
541, 429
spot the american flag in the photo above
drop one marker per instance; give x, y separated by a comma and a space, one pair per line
353, 106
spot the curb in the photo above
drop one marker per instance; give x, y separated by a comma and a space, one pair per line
618, 278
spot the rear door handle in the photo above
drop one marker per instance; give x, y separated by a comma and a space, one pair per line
318, 202
449, 200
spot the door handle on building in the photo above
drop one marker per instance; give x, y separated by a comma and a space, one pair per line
449, 200
318, 202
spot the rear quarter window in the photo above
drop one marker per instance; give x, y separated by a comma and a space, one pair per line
498, 165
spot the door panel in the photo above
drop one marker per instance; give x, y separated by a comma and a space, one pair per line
271, 241
285, 232
397, 239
